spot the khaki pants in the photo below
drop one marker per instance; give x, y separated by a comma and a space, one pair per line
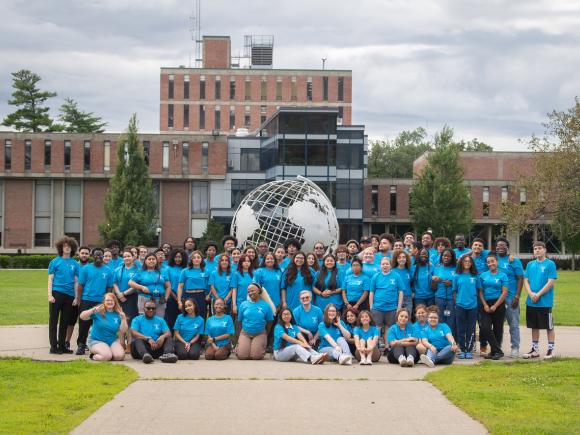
251, 346
220, 353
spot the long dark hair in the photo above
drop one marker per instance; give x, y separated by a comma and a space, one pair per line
255, 261
271, 254
324, 272
292, 271
190, 262
281, 322
240, 269
173, 253
144, 267
219, 267
472, 269
453, 258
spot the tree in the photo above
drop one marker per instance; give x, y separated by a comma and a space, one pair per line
31, 114
214, 231
77, 121
129, 204
439, 198
553, 189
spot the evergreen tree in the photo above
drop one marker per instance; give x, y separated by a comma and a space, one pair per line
214, 231
439, 199
31, 114
129, 205
77, 121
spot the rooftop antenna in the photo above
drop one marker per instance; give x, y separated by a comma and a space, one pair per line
195, 31
323, 62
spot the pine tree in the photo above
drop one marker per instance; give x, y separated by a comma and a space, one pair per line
76, 121
31, 115
129, 205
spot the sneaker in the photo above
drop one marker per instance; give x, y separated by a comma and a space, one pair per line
531, 354
515, 353
363, 361
81, 349
55, 351
550, 354
147, 358
461, 355
342, 359
91, 356
65, 350
369, 360
348, 360
497, 356
468, 355
67, 344
410, 361
317, 359
483, 350
168, 358
427, 361
402, 361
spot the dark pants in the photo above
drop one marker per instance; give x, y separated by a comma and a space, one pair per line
74, 315
396, 351
193, 353
492, 326
199, 299
85, 325
447, 305
363, 306
466, 319
60, 309
171, 312
140, 347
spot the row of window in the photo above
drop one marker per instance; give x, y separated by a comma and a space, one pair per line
298, 152
248, 88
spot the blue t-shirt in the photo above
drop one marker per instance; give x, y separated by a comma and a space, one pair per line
538, 273
422, 281
446, 273
419, 330
334, 332
372, 332
106, 328
193, 279
210, 265
512, 270
95, 282
492, 284
284, 264
188, 327
396, 333
336, 299
124, 275
172, 274
65, 270
481, 261
270, 279
254, 316
379, 256
153, 327
240, 281
343, 268
293, 290
355, 286
216, 326
386, 290
405, 275
279, 331
221, 282
369, 270
308, 319
153, 280
437, 336
115, 263
460, 252
466, 286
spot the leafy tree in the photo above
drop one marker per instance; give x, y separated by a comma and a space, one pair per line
475, 145
76, 121
31, 115
129, 204
214, 231
439, 198
553, 191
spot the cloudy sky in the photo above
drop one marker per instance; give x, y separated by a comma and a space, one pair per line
491, 69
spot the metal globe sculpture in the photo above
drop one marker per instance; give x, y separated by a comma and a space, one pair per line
280, 210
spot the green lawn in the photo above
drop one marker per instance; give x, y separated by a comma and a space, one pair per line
54, 397
516, 398
25, 290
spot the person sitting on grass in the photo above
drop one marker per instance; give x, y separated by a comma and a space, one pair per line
290, 344
333, 335
438, 340
188, 330
219, 330
151, 337
366, 339
107, 331
402, 342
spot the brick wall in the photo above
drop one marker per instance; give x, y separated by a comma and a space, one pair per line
93, 210
18, 227
174, 211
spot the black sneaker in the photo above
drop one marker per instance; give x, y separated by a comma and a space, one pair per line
497, 356
55, 351
531, 354
550, 354
81, 349
65, 350
91, 356
147, 358
67, 344
168, 358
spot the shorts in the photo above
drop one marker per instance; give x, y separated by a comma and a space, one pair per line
91, 342
383, 318
539, 318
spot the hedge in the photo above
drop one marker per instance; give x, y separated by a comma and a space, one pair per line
25, 261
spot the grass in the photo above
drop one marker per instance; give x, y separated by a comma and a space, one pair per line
516, 398
26, 291
54, 397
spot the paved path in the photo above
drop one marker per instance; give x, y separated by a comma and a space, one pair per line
259, 396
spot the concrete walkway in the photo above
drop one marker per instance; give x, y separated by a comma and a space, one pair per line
260, 397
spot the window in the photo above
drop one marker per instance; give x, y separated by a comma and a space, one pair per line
340, 90
523, 196
165, 161
185, 158
42, 212
47, 153
249, 159
340, 115
186, 116
72, 209
279, 88
504, 193
170, 87
309, 89
374, 200
7, 154
393, 201
232, 117
321, 152
67, 154
170, 115
240, 188
293, 90
186, 87
349, 194
107, 155
146, 151
1, 209
87, 156
27, 154
218, 88
156, 193
263, 114
264, 89
486, 200
202, 117
217, 118
247, 117
325, 88
248, 89
349, 156
232, 88
202, 87
204, 156
199, 197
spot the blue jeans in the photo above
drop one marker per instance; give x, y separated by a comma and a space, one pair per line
466, 319
427, 302
443, 356
447, 304
408, 304
512, 316
332, 353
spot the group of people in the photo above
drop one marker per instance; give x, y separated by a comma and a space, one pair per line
415, 301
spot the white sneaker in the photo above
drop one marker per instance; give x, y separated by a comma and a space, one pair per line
427, 361
402, 361
317, 359
369, 360
550, 354
410, 361
342, 359
515, 353
363, 361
